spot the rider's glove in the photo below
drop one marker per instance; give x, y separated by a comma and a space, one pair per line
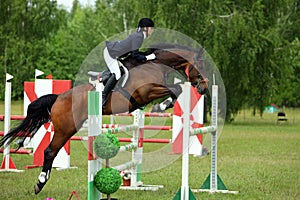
151, 57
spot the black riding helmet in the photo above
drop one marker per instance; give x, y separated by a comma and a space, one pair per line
146, 22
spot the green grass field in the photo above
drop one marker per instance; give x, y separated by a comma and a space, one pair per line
256, 156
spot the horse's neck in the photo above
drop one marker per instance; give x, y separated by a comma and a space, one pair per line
175, 58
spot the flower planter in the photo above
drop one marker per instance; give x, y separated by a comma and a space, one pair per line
126, 182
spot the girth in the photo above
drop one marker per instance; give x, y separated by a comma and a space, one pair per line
131, 99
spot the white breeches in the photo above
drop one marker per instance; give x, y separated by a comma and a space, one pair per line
112, 64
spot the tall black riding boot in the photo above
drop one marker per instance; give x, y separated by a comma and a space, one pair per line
110, 84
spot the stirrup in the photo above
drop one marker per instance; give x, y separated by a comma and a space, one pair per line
94, 78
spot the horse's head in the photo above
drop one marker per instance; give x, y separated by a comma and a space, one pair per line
195, 72
187, 59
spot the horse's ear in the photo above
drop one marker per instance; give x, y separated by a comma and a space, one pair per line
201, 52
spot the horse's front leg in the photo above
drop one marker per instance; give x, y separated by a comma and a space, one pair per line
45, 174
161, 107
175, 91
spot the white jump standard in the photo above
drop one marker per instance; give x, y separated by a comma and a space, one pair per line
7, 163
213, 184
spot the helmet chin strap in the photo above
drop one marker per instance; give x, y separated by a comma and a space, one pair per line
146, 32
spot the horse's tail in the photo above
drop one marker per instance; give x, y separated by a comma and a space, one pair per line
38, 113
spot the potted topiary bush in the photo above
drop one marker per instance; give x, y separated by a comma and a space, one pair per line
106, 146
107, 180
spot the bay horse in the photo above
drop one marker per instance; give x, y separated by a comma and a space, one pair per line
68, 111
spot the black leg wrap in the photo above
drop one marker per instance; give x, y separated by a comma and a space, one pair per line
45, 174
171, 105
175, 90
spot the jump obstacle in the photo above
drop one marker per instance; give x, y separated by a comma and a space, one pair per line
40, 141
145, 127
136, 145
95, 128
213, 183
197, 110
33, 90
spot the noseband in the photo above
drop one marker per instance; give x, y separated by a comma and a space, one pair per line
201, 83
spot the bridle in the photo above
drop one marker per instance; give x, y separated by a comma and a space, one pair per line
190, 66
200, 79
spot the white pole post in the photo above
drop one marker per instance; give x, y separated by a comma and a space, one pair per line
6, 156
134, 156
214, 135
94, 129
7, 119
185, 141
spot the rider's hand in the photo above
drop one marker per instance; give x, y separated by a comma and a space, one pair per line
151, 57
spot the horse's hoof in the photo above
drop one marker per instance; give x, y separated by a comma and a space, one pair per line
156, 109
36, 189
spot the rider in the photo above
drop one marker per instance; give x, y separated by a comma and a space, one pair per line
115, 50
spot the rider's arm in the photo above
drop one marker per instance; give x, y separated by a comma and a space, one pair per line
138, 56
136, 43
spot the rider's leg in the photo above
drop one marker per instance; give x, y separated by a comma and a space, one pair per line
114, 68
105, 75
110, 84
112, 64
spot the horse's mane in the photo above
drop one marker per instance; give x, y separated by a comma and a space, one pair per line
166, 46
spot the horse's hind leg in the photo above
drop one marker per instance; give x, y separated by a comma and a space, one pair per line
45, 174
50, 153
67, 115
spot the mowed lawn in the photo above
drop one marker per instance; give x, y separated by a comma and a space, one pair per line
256, 156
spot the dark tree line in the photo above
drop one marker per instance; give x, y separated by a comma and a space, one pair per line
254, 43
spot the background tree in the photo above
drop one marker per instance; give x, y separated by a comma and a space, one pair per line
254, 43
25, 28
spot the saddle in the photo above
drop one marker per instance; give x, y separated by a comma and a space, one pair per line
102, 77
98, 77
